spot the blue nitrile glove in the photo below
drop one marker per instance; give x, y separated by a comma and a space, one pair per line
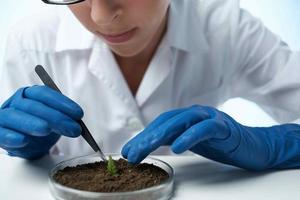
32, 120
215, 135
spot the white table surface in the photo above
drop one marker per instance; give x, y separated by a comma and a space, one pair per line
195, 178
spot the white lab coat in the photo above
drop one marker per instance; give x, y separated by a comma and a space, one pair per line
213, 51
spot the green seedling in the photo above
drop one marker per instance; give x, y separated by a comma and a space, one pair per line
111, 167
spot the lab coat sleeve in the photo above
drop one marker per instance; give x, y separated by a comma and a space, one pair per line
18, 65
265, 70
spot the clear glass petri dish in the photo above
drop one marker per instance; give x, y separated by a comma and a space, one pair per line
164, 191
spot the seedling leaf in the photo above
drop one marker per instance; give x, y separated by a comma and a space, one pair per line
111, 167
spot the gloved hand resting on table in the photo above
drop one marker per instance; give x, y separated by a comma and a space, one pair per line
33, 119
215, 135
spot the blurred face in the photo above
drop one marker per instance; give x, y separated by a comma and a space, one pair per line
128, 27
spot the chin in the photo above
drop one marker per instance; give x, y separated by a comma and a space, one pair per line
126, 52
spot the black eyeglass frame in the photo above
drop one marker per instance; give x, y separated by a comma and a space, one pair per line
53, 3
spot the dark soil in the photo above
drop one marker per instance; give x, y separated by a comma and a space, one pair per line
94, 177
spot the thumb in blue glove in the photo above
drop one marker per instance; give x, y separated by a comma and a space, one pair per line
215, 135
34, 118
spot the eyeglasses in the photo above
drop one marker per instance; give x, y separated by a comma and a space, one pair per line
62, 2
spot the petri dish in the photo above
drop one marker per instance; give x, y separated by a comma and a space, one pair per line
164, 191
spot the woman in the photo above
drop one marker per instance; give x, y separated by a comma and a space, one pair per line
128, 61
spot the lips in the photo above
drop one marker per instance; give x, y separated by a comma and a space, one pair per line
118, 38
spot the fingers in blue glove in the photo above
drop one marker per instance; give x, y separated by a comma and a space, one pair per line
54, 100
59, 122
149, 140
32, 120
154, 124
34, 148
23, 122
210, 129
11, 139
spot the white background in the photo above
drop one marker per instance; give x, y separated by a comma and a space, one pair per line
281, 16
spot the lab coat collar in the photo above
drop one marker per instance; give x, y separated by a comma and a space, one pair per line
104, 66
159, 69
185, 30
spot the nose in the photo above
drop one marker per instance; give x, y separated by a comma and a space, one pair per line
104, 12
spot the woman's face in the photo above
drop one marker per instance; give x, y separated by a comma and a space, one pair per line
127, 26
